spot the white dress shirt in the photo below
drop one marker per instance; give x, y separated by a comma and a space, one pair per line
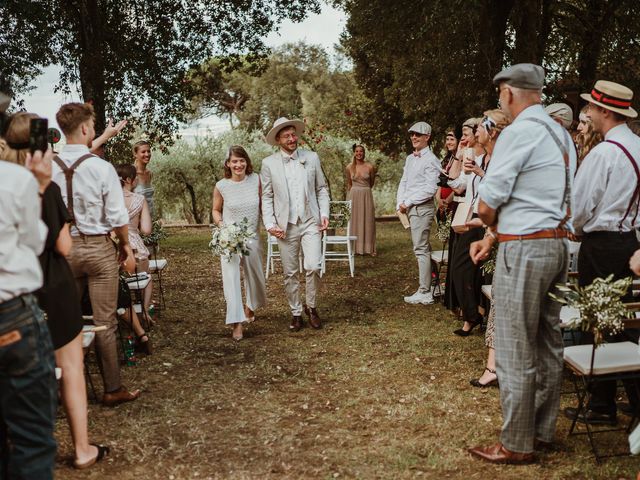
527, 180
296, 183
98, 201
419, 181
605, 183
22, 232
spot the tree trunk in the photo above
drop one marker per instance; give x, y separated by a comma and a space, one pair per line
90, 37
527, 25
492, 27
194, 205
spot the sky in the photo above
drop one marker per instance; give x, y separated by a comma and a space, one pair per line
322, 29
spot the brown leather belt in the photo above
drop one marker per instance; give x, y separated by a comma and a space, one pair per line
549, 233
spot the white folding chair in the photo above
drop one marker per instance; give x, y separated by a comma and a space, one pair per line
273, 253
339, 219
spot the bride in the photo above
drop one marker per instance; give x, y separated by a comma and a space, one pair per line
235, 197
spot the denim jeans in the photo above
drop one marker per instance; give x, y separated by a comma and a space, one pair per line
28, 392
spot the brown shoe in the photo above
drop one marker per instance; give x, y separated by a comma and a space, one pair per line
499, 454
314, 318
121, 395
296, 323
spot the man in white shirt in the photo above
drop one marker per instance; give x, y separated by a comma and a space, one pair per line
28, 388
295, 210
417, 187
95, 200
606, 216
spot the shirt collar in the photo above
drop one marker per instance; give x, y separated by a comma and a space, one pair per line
420, 153
75, 148
616, 131
286, 156
531, 111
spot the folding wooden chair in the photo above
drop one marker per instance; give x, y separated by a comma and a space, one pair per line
609, 362
438, 262
339, 219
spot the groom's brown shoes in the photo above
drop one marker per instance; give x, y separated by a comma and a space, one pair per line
314, 318
497, 453
296, 323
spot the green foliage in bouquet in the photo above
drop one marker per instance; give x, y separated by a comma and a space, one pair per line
443, 227
230, 239
489, 265
599, 304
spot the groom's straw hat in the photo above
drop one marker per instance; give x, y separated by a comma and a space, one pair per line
612, 96
281, 123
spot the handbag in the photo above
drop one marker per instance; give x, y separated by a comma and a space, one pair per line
464, 212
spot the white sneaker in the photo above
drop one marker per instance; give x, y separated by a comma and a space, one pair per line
419, 297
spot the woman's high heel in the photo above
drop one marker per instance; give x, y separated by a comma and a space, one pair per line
465, 333
492, 383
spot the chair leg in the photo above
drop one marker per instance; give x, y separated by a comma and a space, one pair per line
351, 259
163, 305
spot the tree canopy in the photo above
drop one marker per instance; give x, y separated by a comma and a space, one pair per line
131, 57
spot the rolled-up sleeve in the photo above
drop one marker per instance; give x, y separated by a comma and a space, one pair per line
509, 154
115, 210
459, 182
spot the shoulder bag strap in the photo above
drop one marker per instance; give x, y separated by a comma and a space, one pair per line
68, 174
567, 173
636, 192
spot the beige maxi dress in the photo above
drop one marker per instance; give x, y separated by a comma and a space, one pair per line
363, 219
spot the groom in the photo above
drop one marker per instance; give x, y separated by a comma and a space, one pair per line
295, 210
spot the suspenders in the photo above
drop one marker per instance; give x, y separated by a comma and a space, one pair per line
636, 192
567, 174
68, 173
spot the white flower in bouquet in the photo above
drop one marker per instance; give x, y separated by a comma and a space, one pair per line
443, 227
230, 239
600, 307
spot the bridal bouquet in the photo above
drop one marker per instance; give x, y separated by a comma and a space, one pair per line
443, 227
231, 239
599, 304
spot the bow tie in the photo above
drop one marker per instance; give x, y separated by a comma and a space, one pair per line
287, 159
417, 154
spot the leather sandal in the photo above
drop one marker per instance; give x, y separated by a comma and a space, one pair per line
103, 451
493, 383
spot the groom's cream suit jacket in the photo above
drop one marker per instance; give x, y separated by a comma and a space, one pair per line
275, 193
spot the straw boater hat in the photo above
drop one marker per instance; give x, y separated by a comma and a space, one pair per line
612, 96
281, 123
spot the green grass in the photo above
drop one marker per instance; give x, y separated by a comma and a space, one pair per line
381, 392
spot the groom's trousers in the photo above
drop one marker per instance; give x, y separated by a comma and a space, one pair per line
305, 235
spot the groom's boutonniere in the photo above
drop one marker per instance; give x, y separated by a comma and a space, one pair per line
303, 161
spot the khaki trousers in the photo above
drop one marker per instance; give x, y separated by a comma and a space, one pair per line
94, 262
304, 234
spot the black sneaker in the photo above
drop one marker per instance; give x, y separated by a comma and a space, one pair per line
590, 417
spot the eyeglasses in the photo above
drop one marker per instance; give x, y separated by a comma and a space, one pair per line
416, 134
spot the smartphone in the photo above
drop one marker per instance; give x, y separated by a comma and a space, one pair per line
38, 134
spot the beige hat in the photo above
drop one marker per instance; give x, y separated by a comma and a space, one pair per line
562, 112
423, 128
281, 123
612, 96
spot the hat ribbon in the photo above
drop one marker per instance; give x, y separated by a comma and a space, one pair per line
610, 100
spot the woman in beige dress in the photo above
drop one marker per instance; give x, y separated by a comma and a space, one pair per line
361, 176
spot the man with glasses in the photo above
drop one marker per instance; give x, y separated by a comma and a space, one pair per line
417, 187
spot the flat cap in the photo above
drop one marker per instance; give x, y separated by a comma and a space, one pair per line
561, 111
522, 75
423, 128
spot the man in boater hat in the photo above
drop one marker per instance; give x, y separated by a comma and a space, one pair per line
605, 216
295, 210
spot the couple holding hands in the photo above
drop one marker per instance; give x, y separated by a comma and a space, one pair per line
292, 194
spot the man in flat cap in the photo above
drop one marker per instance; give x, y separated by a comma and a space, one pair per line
417, 187
529, 184
605, 216
295, 210
561, 113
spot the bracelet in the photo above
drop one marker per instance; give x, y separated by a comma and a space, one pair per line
491, 234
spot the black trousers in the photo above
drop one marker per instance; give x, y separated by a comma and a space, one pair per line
466, 277
602, 254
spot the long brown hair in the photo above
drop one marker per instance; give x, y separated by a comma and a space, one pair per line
588, 138
238, 151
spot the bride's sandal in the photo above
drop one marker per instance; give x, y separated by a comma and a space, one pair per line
491, 383
237, 332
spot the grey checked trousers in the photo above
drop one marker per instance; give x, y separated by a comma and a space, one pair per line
528, 340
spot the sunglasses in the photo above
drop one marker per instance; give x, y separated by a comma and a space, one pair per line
416, 134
